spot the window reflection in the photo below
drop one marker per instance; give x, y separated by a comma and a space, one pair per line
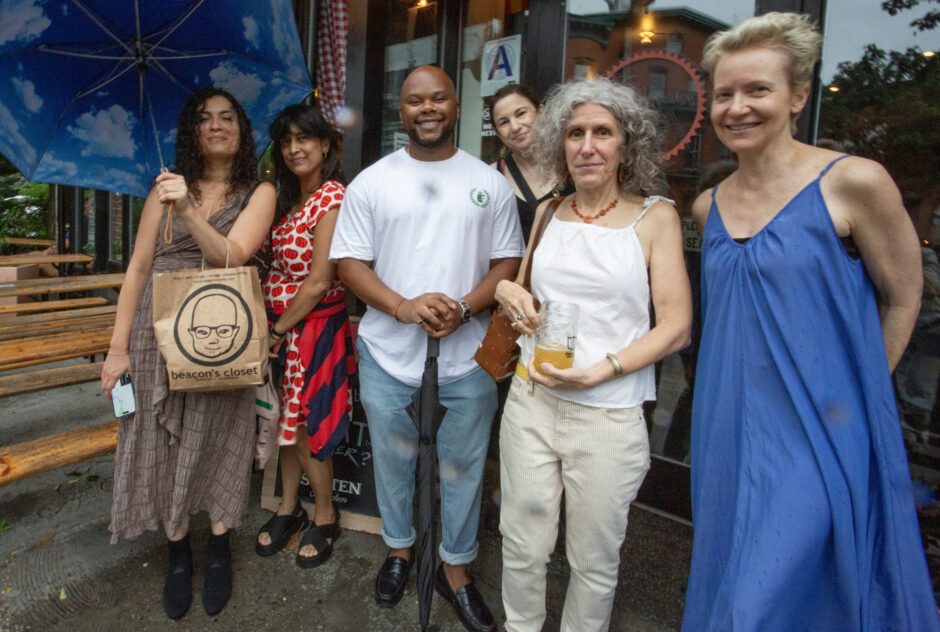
880, 98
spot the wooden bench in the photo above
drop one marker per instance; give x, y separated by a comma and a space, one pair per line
12, 330
22, 260
26, 241
27, 287
61, 315
41, 455
23, 352
45, 306
33, 381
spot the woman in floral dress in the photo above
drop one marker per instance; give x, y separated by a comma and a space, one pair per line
309, 330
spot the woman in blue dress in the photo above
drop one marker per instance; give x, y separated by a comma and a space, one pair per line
802, 504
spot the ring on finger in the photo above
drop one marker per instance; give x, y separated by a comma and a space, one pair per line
420, 323
520, 316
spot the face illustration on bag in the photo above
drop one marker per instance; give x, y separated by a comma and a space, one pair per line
214, 325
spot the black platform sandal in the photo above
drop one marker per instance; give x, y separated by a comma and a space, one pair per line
318, 535
281, 528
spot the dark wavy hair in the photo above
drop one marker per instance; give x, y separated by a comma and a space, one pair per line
311, 122
190, 162
514, 88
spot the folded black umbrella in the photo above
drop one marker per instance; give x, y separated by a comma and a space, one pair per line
427, 412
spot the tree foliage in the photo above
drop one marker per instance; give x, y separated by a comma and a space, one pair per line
24, 207
888, 109
928, 22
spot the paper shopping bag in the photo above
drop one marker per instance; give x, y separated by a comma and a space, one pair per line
211, 328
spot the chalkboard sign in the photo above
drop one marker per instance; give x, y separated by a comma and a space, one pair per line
353, 476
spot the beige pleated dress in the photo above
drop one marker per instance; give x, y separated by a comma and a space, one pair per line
181, 453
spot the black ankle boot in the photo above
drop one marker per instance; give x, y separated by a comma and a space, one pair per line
178, 586
218, 586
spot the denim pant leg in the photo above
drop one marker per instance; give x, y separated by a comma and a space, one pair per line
394, 448
462, 442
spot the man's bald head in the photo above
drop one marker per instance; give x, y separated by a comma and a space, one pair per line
428, 112
422, 75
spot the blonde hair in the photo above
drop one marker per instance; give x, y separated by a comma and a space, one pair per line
792, 34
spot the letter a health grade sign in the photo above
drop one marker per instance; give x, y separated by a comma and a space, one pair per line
501, 64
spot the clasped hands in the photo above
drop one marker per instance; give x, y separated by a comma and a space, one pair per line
436, 313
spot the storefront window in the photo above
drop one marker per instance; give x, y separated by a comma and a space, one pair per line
491, 58
410, 41
878, 98
881, 100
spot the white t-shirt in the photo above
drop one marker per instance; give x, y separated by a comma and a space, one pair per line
427, 227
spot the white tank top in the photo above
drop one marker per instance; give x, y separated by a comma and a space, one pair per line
603, 270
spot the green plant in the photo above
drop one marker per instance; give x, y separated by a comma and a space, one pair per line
24, 207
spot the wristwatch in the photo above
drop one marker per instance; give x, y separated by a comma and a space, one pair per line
466, 314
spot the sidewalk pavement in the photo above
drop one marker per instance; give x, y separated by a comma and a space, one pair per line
58, 572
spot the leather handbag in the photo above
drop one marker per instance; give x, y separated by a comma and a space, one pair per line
499, 351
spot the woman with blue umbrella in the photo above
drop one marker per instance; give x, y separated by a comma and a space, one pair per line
181, 452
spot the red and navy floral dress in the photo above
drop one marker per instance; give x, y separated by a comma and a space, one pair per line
316, 354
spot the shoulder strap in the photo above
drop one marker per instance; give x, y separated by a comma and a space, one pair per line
530, 198
647, 205
830, 165
248, 194
546, 217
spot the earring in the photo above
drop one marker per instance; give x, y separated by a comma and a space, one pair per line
564, 175
620, 174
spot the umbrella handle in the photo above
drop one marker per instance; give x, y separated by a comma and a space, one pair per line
434, 347
168, 228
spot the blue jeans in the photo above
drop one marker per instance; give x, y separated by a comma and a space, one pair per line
461, 451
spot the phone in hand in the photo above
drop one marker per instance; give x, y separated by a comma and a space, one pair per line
122, 397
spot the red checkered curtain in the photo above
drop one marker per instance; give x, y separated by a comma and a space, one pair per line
332, 30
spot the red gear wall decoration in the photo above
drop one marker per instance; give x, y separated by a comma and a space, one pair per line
694, 74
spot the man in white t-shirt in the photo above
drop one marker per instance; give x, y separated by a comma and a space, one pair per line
423, 237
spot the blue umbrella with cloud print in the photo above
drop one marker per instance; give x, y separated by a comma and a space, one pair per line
90, 90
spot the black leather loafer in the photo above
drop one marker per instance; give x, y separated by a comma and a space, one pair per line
391, 580
468, 602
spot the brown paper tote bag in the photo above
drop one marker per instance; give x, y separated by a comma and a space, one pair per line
211, 328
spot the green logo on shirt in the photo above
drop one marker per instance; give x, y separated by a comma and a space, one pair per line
480, 197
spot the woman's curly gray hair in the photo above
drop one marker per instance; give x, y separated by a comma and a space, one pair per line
635, 118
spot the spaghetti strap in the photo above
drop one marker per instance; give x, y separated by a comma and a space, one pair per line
829, 166
647, 205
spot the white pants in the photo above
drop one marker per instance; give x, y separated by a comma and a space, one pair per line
599, 457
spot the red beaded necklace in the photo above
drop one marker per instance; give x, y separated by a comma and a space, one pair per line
587, 219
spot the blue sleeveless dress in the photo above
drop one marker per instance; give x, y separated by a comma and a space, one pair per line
801, 497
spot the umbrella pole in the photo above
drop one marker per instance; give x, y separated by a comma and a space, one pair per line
427, 413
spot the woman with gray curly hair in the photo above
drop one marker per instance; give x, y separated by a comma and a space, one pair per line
606, 248
801, 496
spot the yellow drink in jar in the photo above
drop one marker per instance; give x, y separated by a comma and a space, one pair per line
558, 357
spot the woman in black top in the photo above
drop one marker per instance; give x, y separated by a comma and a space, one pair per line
514, 110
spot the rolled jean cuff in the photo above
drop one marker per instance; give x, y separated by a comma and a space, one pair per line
398, 543
459, 559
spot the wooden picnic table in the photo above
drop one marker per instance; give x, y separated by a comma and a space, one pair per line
45, 306
23, 320
25, 287
23, 352
25, 241
22, 260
